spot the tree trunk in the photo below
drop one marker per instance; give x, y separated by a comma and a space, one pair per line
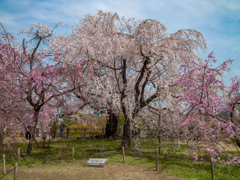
1, 138
238, 143
32, 132
44, 139
127, 135
2, 135
112, 125
35, 140
32, 138
159, 136
30, 145
159, 143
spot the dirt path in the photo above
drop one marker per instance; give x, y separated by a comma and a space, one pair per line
76, 172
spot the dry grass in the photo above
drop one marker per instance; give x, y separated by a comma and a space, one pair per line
229, 147
113, 171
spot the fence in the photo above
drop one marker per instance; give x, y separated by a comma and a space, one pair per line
84, 132
78, 133
146, 133
91, 133
67, 132
8, 132
4, 168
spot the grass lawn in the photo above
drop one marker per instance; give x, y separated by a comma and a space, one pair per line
54, 162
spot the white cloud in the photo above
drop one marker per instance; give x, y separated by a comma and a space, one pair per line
8, 19
212, 18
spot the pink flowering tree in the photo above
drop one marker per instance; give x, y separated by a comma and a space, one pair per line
33, 78
205, 99
138, 57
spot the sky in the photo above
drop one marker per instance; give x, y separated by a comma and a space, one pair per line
217, 20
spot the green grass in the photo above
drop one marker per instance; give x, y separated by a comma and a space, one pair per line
174, 161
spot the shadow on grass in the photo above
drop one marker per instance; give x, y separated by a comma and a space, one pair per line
175, 162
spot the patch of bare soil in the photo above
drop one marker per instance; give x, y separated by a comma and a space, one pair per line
114, 171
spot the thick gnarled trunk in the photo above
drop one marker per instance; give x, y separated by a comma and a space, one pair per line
32, 133
127, 135
30, 144
112, 125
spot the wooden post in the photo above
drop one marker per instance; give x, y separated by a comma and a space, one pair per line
68, 133
72, 155
4, 168
19, 155
85, 132
157, 162
15, 171
212, 169
123, 154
